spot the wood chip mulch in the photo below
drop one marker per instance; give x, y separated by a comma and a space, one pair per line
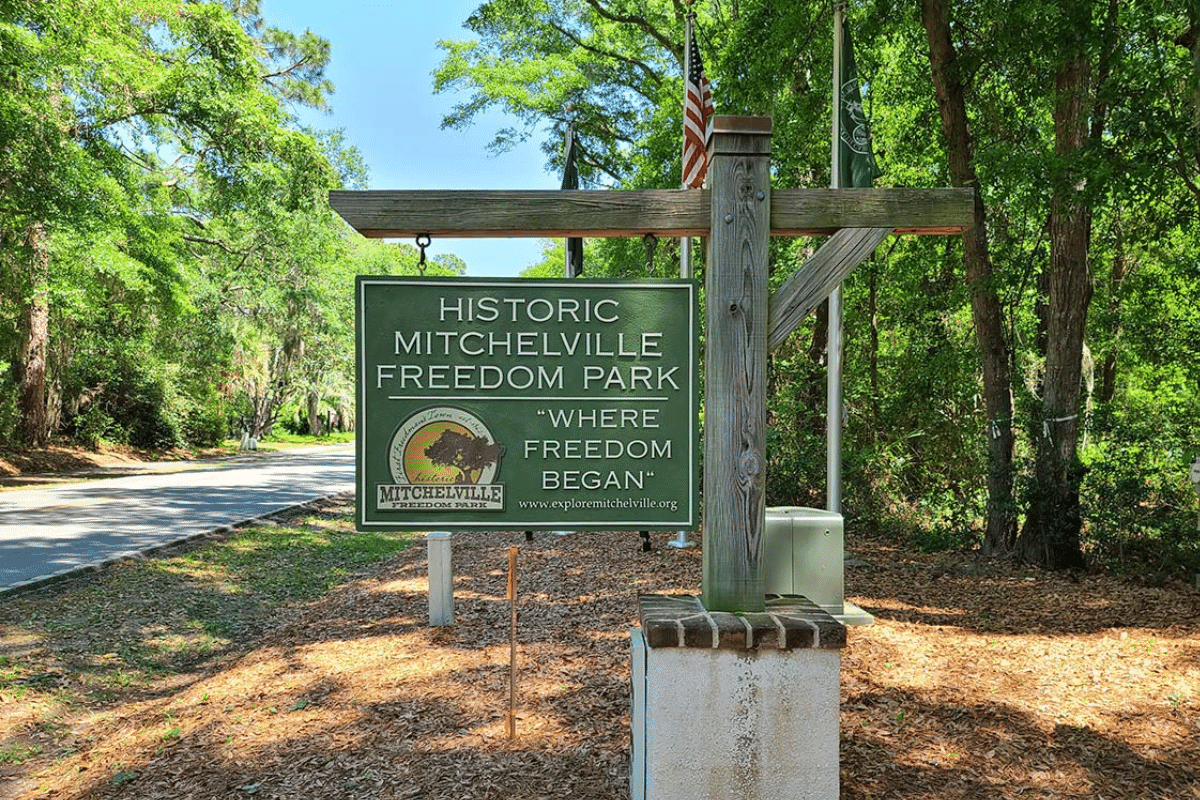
977, 680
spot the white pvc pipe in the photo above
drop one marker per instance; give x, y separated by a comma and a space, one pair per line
441, 579
681, 540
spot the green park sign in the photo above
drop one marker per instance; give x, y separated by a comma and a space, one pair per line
504, 404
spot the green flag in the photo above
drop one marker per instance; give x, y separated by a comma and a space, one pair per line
574, 265
856, 162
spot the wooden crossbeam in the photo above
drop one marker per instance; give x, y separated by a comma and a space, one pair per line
402, 214
818, 212
550, 213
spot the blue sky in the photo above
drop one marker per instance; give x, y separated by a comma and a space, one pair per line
383, 55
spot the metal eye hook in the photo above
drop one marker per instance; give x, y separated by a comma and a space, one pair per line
651, 242
423, 241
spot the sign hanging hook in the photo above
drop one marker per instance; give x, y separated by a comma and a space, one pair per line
423, 241
651, 243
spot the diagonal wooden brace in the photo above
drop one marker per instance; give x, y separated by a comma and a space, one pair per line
817, 277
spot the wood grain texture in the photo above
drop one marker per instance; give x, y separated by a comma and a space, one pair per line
665, 212
817, 277
809, 212
524, 214
735, 368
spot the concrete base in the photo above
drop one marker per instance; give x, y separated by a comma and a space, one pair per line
712, 723
681, 541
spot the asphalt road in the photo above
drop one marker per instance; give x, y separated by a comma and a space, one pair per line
47, 532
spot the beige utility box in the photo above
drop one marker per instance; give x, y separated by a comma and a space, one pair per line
804, 556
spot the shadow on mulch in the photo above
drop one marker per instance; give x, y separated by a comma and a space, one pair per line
992, 680
987, 682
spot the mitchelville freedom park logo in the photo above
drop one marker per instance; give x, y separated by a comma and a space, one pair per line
442, 459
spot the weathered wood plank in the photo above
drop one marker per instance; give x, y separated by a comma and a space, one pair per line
665, 212
818, 276
514, 214
810, 212
735, 371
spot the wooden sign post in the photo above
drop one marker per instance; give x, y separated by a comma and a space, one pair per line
735, 364
737, 214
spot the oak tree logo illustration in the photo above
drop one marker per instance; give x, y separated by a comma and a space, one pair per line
443, 446
468, 454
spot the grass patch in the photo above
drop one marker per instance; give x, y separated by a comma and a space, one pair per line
16, 754
281, 564
83, 645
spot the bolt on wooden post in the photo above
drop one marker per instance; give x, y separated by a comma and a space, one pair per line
735, 363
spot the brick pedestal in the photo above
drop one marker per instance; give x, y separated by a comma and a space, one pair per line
735, 706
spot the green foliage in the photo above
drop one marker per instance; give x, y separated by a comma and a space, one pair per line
916, 434
213, 287
94, 426
196, 276
207, 423
554, 61
1140, 504
149, 257
795, 427
1141, 509
553, 263
136, 403
9, 415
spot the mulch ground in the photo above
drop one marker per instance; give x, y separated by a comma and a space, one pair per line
63, 462
976, 680
59, 458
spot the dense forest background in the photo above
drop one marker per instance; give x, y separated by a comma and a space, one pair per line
171, 273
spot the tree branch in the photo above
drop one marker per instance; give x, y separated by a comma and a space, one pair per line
286, 71
629, 19
187, 237
650, 73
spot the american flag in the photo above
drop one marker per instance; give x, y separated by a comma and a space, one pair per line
697, 116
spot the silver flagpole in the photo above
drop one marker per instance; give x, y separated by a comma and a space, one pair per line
685, 242
568, 268
833, 377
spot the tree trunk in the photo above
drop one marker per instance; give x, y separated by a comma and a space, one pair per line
1116, 281
34, 430
316, 425
1191, 40
986, 310
1051, 535
263, 416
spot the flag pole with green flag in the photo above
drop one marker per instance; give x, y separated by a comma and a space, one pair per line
574, 245
853, 165
856, 166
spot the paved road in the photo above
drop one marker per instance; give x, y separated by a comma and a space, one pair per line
50, 531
